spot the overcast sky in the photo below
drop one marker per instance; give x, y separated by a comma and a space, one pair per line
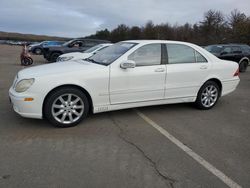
75, 18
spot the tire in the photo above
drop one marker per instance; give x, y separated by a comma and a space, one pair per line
38, 51
64, 111
243, 66
26, 61
208, 95
54, 56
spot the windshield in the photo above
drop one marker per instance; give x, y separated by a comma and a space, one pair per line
93, 48
110, 54
67, 43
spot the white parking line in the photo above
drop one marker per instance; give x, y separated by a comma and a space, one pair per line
191, 153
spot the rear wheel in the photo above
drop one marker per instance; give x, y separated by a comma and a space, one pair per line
208, 95
66, 107
243, 66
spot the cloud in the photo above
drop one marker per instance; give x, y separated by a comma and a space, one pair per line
80, 17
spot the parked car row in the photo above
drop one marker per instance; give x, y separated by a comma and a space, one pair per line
239, 53
76, 45
51, 50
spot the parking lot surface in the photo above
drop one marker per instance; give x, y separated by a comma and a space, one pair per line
120, 149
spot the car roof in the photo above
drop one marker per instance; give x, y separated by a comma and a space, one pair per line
228, 45
157, 41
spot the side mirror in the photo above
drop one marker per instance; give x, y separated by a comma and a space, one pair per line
127, 64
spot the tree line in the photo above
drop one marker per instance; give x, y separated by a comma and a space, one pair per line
215, 28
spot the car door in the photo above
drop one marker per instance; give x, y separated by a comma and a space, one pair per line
237, 53
187, 69
144, 82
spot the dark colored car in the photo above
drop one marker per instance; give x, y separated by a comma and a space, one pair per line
38, 48
75, 45
239, 53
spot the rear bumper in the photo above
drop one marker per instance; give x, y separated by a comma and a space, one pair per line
30, 109
229, 86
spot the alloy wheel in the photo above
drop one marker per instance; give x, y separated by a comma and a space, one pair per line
67, 108
209, 96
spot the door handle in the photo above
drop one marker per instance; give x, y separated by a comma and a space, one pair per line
203, 67
160, 70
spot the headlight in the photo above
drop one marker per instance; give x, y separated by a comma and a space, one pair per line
64, 58
24, 84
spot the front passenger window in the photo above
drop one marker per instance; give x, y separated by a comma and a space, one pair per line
147, 55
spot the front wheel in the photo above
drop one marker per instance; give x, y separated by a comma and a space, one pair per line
208, 95
66, 107
38, 51
26, 61
54, 57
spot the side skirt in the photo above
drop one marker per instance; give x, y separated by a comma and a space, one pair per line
98, 109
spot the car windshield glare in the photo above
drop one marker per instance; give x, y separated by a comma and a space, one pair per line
110, 54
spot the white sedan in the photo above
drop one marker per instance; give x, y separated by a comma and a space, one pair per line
126, 75
82, 55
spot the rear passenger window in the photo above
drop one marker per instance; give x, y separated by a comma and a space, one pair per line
200, 58
178, 53
147, 55
236, 49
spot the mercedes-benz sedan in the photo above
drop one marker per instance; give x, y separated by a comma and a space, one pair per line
125, 75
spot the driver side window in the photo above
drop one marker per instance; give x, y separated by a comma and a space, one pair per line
147, 55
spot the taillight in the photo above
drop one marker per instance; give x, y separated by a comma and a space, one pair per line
237, 73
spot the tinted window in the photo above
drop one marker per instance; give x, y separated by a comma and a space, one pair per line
147, 55
178, 53
214, 49
227, 50
236, 49
245, 48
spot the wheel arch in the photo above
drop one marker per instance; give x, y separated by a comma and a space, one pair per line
73, 86
244, 59
217, 81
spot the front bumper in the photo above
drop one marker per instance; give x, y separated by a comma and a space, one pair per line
30, 109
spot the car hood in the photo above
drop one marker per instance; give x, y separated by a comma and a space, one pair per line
77, 55
59, 69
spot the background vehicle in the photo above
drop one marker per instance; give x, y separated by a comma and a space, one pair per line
125, 75
83, 55
38, 48
239, 53
75, 45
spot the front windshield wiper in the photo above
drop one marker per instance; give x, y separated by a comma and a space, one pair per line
92, 61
